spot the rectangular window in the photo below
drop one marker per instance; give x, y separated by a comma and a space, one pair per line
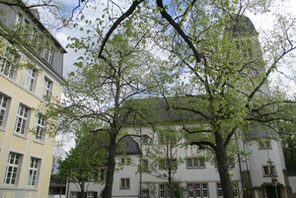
195, 163
197, 190
29, 82
269, 171
91, 195
50, 56
40, 129
220, 191
18, 20
145, 140
33, 171
145, 165
125, 183
3, 109
165, 164
264, 144
164, 191
74, 194
12, 168
9, 62
22, 119
47, 88
45, 53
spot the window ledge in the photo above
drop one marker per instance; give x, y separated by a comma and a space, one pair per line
39, 141
2, 129
20, 135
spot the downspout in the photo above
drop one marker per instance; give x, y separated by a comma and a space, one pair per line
141, 158
239, 163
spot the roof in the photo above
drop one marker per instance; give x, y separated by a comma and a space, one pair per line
159, 110
131, 147
242, 26
35, 19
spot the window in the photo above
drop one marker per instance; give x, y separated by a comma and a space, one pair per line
145, 140
145, 193
45, 53
4, 101
145, 165
12, 168
220, 191
50, 56
195, 163
197, 190
91, 195
33, 171
47, 88
125, 160
164, 191
18, 20
99, 175
165, 164
40, 129
269, 171
74, 194
30, 76
264, 144
8, 64
125, 183
22, 119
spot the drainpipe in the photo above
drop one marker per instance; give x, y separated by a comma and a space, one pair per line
239, 164
141, 158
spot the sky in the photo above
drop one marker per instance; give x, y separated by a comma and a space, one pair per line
262, 23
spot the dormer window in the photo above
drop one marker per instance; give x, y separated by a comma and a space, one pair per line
18, 19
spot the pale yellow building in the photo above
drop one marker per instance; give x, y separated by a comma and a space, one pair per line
25, 149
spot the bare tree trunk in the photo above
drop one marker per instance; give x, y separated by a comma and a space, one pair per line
107, 192
223, 166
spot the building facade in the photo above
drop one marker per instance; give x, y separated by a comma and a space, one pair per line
195, 172
257, 168
31, 69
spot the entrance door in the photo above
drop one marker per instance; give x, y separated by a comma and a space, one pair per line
271, 192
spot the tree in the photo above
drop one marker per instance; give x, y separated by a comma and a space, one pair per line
85, 162
228, 73
161, 159
97, 92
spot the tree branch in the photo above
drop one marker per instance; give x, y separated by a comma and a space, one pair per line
117, 23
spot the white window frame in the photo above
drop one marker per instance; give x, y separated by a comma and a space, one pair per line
74, 194
30, 79
18, 20
22, 119
8, 66
198, 190
195, 163
264, 145
90, 194
4, 107
50, 55
220, 190
33, 171
12, 168
40, 127
47, 88
125, 183
270, 169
